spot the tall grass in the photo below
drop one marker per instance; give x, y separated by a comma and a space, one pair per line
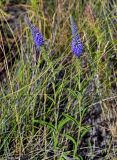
43, 104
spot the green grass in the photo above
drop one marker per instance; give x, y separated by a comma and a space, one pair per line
43, 105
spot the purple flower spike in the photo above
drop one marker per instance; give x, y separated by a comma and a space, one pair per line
77, 46
37, 36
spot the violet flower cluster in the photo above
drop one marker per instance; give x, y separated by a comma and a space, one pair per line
37, 36
77, 46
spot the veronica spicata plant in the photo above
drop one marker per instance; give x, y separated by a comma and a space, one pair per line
37, 36
77, 46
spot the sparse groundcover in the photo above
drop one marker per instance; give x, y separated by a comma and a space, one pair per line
58, 84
